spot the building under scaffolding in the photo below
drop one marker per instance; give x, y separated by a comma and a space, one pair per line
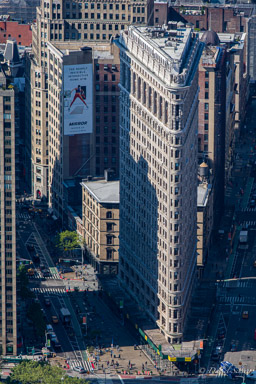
23, 10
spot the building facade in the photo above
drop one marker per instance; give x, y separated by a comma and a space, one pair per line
212, 115
158, 158
205, 216
101, 224
70, 26
8, 323
22, 33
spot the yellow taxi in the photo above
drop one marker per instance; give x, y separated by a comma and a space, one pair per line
245, 315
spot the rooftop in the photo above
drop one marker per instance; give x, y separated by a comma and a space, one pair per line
202, 194
103, 191
170, 43
170, 51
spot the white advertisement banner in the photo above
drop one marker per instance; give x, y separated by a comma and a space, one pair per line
78, 99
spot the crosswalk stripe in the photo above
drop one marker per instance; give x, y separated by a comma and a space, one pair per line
38, 275
49, 290
23, 216
78, 363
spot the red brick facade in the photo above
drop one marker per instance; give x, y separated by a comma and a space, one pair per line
22, 33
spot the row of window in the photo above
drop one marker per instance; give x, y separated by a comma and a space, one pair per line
106, 88
106, 77
80, 16
103, 6
78, 36
106, 160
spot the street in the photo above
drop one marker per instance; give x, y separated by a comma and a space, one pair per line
102, 345
225, 297
234, 325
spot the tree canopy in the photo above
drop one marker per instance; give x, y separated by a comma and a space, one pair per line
24, 292
34, 372
68, 241
34, 313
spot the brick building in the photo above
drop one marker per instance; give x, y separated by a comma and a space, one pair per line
22, 33
233, 19
211, 113
106, 135
218, 19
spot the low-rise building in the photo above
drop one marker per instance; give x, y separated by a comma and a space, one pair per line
101, 223
204, 218
22, 33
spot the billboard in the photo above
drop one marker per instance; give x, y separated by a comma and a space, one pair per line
78, 99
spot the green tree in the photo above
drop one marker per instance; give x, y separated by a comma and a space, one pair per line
68, 241
23, 282
34, 372
34, 313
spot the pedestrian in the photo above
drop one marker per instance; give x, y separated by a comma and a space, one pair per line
129, 363
111, 353
107, 363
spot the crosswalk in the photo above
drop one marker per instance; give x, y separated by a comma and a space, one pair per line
49, 290
239, 284
237, 300
38, 275
23, 216
247, 224
248, 209
79, 363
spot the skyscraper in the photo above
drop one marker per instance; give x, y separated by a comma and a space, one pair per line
8, 321
158, 182
70, 26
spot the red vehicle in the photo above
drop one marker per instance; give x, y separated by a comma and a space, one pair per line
255, 334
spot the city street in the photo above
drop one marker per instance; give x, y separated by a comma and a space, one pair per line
225, 296
54, 288
233, 324
79, 292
